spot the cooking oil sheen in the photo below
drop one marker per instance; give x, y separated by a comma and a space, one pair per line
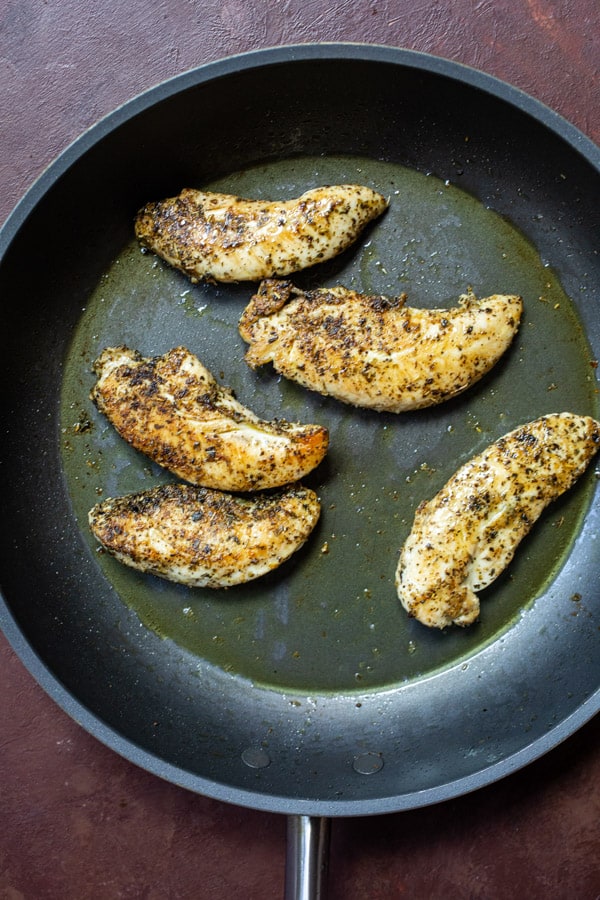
330, 617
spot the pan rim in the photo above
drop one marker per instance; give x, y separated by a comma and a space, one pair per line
210, 71
278, 803
289, 53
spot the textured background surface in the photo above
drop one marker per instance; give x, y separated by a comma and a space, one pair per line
78, 821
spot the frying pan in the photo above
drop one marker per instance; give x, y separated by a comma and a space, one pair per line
308, 692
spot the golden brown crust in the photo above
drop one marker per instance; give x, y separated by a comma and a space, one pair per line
205, 538
374, 351
226, 238
466, 535
171, 408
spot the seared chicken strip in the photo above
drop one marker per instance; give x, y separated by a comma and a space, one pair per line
374, 351
464, 537
222, 237
171, 408
205, 538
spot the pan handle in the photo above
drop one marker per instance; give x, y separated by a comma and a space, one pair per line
307, 857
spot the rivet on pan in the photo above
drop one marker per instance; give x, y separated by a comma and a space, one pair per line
368, 763
256, 757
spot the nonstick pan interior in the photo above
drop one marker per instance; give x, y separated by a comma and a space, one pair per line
310, 690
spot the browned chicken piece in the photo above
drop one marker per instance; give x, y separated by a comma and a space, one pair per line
171, 408
221, 237
374, 351
205, 538
465, 536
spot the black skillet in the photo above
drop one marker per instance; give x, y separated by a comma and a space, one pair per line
308, 692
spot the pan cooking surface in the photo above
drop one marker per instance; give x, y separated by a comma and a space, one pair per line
329, 620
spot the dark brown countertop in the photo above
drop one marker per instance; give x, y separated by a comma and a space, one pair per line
81, 822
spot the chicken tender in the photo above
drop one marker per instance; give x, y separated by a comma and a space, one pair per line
221, 237
205, 538
465, 536
171, 408
373, 351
